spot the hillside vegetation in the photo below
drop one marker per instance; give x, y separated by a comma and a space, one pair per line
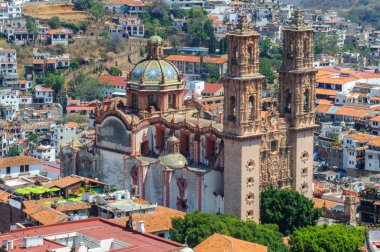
366, 12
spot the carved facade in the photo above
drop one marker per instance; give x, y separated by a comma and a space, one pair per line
273, 147
167, 152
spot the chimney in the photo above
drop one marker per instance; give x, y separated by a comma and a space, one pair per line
8, 245
141, 226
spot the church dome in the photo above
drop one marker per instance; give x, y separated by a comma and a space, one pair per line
154, 72
174, 161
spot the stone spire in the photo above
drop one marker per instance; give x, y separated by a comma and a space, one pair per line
243, 23
298, 19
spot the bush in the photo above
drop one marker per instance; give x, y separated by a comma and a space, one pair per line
71, 41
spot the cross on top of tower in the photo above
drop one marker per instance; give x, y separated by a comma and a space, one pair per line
298, 18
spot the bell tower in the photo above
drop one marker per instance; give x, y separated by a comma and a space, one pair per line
242, 83
297, 99
242, 123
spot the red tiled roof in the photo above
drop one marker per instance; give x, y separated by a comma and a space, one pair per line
96, 228
185, 58
212, 88
223, 243
20, 160
112, 80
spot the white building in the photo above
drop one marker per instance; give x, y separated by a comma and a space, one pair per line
372, 155
195, 86
113, 85
43, 95
58, 36
64, 134
19, 166
8, 61
8, 11
9, 103
44, 152
354, 151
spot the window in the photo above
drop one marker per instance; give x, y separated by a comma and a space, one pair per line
274, 146
288, 101
370, 156
232, 112
306, 101
8, 170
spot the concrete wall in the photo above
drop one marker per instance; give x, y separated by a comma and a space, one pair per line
213, 192
191, 192
236, 175
34, 169
113, 134
153, 184
302, 142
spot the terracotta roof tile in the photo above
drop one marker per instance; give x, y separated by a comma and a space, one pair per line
72, 206
223, 243
20, 160
322, 91
46, 215
325, 102
322, 108
360, 137
63, 182
212, 88
112, 80
352, 111
319, 203
184, 58
161, 220
220, 60
4, 195
375, 119
375, 142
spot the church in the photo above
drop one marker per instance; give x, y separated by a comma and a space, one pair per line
167, 150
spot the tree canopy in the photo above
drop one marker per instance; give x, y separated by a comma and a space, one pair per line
14, 152
86, 87
266, 69
289, 209
325, 44
196, 227
55, 22
333, 238
54, 80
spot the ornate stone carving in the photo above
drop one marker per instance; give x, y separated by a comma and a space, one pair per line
250, 165
250, 181
304, 156
250, 198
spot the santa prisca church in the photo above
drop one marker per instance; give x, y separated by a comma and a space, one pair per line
166, 150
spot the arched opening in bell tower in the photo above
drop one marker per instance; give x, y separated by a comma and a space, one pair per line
306, 98
185, 143
288, 101
235, 56
152, 101
232, 110
250, 54
135, 101
172, 98
251, 105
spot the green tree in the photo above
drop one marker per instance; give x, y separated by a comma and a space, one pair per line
209, 30
32, 137
54, 80
289, 209
74, 65
14, 152
325, 44
196, 227
327, 238
61, 48
55, 22
266, 69
265, 45
31, 25
212, 72
96, 9
223, 45
115, 71
85, 87
212, 44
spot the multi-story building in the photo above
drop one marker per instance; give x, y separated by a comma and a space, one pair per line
43, 62
354, 153
20, 166
113, 85
44, 152
9, 11
43, 95
58, 36
64, 134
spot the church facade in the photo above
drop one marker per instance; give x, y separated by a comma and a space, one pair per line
168, 151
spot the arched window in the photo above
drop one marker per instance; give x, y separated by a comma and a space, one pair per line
251, 102
152, 101
288, 101
235, 56
250, 55
306, 96
185, 143
232, 112
172, 101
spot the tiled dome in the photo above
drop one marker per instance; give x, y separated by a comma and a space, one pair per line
154, 72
